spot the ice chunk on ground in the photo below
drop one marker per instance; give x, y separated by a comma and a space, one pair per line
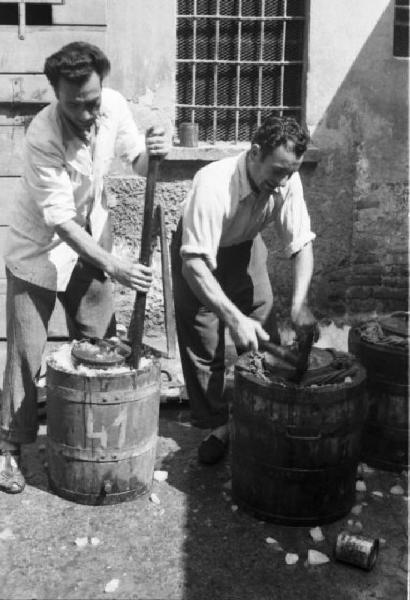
316, 534
317, 558
397, 490
360, 486
160, 475
111, 586
81, 542
291, 558
6, 534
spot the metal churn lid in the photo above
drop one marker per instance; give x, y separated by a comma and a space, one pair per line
99, 353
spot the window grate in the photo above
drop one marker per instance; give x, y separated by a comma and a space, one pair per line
237, 62
401, 46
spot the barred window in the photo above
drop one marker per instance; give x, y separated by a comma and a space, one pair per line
401, 29
237, 62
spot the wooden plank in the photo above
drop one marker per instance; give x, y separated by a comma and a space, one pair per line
28, 55
3, 233
78, 12
25, 88
170, 327
11, 150
8, 188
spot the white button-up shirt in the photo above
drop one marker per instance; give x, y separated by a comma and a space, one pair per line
222, 210
63, 180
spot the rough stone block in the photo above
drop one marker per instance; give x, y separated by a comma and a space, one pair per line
395, 281
359, 292
397, 270
365, 258
362, 306
365, 280
338, 275
366, 269
391, 293
365, 244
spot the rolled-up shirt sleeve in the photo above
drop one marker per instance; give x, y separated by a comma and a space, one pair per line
293, 223
48, 184
130, 141
203, 217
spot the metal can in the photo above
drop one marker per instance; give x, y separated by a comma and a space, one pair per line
188, 134
357, 550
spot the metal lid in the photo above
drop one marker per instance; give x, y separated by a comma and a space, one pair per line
99, 353
319, 358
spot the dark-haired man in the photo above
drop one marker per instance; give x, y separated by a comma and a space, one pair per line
59, 240
219, 264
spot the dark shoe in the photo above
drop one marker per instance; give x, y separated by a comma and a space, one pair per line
11, 478
212, 450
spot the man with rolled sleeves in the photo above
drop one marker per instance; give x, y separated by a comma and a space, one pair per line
219, 267
59, 242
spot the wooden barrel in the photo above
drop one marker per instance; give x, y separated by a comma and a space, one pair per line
386, 431
295, 449
102, 434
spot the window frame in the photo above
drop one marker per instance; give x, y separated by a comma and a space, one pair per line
259, 107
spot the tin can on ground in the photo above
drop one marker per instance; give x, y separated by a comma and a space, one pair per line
188, 134
357, 550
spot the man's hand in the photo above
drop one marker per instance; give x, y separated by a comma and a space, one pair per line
156, 142
302, 316
131, 274
247, 333
303, 319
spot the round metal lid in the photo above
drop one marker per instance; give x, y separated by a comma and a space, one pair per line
319, 358
98, 353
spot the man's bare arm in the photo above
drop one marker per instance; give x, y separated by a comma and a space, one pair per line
245, 332
123, 270
302, 263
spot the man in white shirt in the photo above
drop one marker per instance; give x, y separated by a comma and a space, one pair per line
59, 240
219, 265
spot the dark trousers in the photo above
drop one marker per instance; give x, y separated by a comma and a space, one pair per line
242, 273
89, 309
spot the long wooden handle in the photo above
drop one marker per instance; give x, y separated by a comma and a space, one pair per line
136, 329
169, 315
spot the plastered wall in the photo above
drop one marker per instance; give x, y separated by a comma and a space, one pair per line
356, 111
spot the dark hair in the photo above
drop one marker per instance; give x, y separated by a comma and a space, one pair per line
75, 62
280, 131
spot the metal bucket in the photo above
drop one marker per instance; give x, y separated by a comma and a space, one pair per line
102, 433
295, 449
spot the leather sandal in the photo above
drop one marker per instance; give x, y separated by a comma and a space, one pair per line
11, 478
212, 450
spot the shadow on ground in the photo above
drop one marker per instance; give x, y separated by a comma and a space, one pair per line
192, 545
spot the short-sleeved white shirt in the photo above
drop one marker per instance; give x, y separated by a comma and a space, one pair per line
222, 210
63, 180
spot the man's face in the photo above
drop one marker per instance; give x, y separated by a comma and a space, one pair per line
80, 102
275, 169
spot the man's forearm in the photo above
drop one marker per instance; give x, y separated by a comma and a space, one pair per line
302, 275
207, 289
140, 164
85, 246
